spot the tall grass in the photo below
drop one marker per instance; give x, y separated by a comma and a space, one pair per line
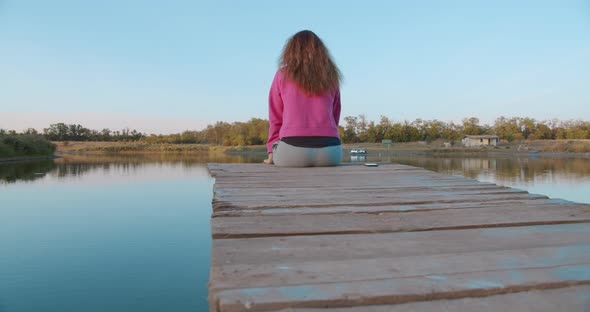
25, 145
143, 147
130, 147
570, 146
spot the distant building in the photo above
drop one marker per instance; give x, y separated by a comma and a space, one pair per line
480, 140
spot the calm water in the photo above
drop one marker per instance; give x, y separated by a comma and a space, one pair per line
114, 233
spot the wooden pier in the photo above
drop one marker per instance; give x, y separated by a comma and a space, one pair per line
391, 238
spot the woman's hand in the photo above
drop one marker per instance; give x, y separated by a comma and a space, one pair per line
268, 161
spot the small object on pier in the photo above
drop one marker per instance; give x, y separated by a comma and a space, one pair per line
358, 151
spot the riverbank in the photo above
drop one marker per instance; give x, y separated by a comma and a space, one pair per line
21, 147
559, 148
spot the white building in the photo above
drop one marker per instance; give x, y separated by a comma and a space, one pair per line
480, 140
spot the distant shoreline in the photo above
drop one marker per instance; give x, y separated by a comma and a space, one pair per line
546, 148
533, 149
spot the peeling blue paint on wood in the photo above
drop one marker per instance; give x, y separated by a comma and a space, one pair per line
575, 273
299, 292
253, 291
535, 229
437, 277
484, 284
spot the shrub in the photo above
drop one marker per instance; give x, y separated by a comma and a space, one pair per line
25, 145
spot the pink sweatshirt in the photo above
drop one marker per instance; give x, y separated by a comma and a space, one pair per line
291, 112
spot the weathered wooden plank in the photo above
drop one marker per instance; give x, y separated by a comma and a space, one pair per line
217, 168
313, 172
258, 226
571, 299
406, 199
436, 266
353, 179
277, 250
352, 175
516, 204
356, 189
391, 197
400, 290
392, 193
393, 175
338, 183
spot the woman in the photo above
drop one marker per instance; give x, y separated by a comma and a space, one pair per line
304, 106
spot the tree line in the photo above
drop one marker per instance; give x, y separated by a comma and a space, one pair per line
359, 129
353, 129
76, 132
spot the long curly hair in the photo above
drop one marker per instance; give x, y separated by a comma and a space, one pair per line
306, 60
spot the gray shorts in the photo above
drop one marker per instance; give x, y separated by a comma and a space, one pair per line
285, 155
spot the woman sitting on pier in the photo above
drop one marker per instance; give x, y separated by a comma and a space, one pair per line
304, 106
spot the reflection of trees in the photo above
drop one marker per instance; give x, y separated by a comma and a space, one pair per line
509, 169
134, 159
25, 171
512, 169
79, 164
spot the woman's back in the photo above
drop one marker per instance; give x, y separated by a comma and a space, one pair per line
304, 106
303, 114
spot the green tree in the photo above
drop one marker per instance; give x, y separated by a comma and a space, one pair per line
471, 126
351, 124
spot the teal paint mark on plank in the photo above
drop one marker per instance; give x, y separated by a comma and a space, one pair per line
299, 292
566, 253
389, 283
510, 263
552, 257
478, 284
253, 291
437, 277
575, 273
405, 208
538, 229
516, 276
563, 253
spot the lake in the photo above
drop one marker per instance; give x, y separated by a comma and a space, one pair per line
131, 233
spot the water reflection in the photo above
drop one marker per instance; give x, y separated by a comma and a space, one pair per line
105, 233
536, 174
26, 171
564, 178
513, 169
68, 165
358, 158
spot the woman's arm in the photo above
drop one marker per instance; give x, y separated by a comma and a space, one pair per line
337, 107
269, 160
275, 114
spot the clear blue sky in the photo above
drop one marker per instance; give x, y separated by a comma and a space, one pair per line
162, 66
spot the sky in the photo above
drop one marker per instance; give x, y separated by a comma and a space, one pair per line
169, 66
